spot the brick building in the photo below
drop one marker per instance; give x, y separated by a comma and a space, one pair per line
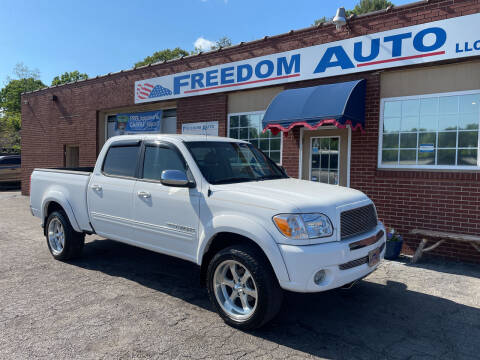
414, 151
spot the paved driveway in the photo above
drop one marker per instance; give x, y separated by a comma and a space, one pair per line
122, 302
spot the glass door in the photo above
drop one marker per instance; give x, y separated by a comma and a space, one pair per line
324, 159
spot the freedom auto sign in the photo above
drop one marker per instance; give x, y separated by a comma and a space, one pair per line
445, 39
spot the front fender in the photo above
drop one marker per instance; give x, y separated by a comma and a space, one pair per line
59, 198
249, 229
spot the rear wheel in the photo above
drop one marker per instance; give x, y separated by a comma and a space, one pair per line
63, 241
243, 287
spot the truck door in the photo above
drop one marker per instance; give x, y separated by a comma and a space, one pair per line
166, 217
110, 191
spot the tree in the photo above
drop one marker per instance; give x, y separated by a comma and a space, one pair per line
363, 7
162, 55
222, 43
366, 6
22, 71
10, 125
10, 104
68, 77
11, 93
321, 21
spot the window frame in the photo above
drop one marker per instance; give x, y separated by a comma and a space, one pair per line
311, 156
124, 143
425, 167
261, 112
163, 144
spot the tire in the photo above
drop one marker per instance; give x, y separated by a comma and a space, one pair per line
262, 282
72, 241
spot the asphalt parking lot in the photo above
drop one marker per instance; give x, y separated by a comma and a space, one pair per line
118, 301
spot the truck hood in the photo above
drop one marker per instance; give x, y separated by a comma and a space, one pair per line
289, 195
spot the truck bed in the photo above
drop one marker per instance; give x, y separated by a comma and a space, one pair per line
67, 184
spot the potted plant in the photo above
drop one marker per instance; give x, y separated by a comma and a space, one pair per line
394, 244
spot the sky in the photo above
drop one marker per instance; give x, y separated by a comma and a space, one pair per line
101, 36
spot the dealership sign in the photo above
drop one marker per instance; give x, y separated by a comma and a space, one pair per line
445, 39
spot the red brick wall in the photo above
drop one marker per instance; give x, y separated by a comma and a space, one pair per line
435, 200
203, 108
291, 152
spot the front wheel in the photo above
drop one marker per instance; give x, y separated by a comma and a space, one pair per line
63, 241
243, 287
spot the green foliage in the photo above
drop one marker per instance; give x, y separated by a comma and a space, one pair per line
10, 104
10, 125
68, 77
222, 43
321, 21
366, 6
219, 44
10, 94
363, 7
162, 55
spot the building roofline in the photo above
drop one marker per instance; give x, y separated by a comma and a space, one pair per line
241, 44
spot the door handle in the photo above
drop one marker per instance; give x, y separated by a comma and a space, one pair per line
96, 187
144, 194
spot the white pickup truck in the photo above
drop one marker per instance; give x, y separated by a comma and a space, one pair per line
222, 204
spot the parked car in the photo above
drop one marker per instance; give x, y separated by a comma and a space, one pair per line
222, 204
10, 168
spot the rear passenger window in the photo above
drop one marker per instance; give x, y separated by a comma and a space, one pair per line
10, 161
158, 158
121, 160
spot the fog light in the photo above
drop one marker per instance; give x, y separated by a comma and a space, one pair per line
319, 277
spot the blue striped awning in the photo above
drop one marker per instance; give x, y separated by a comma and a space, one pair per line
339, 104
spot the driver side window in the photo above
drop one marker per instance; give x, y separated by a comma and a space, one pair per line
158, 159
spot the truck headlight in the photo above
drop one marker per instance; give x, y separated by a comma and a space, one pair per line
303, 226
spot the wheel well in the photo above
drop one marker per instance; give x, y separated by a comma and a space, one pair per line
51, 207
221, 241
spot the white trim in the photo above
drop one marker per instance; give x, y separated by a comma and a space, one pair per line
338, 154
253, 113
425, 167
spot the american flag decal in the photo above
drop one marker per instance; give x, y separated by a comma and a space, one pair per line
148, 91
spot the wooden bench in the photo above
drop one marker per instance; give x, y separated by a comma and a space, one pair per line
441, 236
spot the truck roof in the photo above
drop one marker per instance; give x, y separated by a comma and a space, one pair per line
180, 137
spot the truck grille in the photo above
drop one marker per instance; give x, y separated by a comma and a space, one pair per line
357, 221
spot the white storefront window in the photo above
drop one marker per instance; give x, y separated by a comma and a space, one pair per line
248, 127
438, 131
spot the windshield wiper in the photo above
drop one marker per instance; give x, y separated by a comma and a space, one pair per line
232, 180
270, 177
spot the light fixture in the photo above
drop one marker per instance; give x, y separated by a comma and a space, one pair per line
340, 19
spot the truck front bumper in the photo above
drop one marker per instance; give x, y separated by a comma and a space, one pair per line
341, 264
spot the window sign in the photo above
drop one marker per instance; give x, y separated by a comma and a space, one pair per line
201, 128
134, 123
431, 131
426, 148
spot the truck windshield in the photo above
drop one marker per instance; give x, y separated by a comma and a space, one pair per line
230, 162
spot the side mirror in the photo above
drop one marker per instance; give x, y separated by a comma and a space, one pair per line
175, 178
